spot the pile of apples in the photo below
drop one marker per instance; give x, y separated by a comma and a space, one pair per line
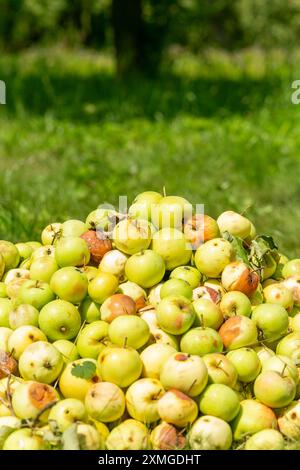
149, 330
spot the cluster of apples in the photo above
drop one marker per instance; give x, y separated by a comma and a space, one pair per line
149, 330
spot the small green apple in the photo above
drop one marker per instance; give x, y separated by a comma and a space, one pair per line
73, 228
92, 339
273, 389
176, 287
69, 284
36, 293
170, 212
72, 385
234, 223
59, 319
67, 349
41, 361
66, 412
42, 251
175, 314
235, 303
22, 337
5, 333
3, 290
24, 439
23, 314
121, 366
51, 233
145, 268
263, 353
102, 219
237, 332
25, 251
200, 228
207, 314
221, 401
137, 293
6, 307
116, 305
278, 294
7, 425
271, 319
30, 397
172, 245
246, 362
161, 337
129, 435
154, 357
201, 341
267, 439
177, 408
210, 433
129, 330
220, 369
189, 274
212, 257
132, 236
291, 268
252, 418
143, 205
10, 254
102, 286
43, 268
105, 402
71, 251
141, 399
89, 310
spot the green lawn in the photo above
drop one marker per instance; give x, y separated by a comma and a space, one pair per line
219, 130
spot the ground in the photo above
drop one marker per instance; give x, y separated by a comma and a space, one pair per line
217, 129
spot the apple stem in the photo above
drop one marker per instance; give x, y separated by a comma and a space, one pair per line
125, 342
9, 395
164, 191
45, 408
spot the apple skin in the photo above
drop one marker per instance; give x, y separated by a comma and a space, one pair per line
145, 268
23, 439
161, 337
154, 357
51, 233
30, 397
129, 435
263, 353
90, 271
200, 228
89, 310
129, 330
141, 399
92, 339
41, 361
36, 293
113, 262
170, 212
238, 332
273, 390
201, 341
67, 349
176, 408
172, 245
43, 268
175, 314
98, 245
283, 365
289, 421
279, 294
6, 307
189, 274
59, 319
246, 362
294, 323
102, 286
220, 401
235, 303
76, 387
121, 366
2, 266
290, 346
10, 422
67, 412
293, 284
252, 418
154, 294
9, 254
174, 287
291, 268
3, 291
207, 314
22, 337
268, 439
116, 305
23, 315
102, 219
105, 402
137, 293
5, 333
132, 236
167, 437
208, 293
220, 370
234, 223
71, 251
69, 284
210, 433
47, 250
16, 274
238, 276
271, 319
212, 257
143, 205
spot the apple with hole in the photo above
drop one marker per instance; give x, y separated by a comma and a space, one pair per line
42, 251
189, 274
207, 314
72, 386
210, 433
59, 319
102, 286
213, 256
10, 255
7, 425
69, 284
136, 292
116, 305
264, 353
166, 437
67, 412
154, 357
98, 245
293, 284
215, 285
41, 361
220, 369
23, 314
175, 407
291, 268
221, 401
246, 363
200, 228
237, 276
23, 337
234, 223
171, 212
31, 397
67, 349
5, 333
235, 303
129, 435
51, 233
205, 292
132, 235
271, 320
129, 330
34, 245
273, 389
24, 439
172, 245
201, 341
113, 262
141, 399
89, 310
238, 332
289, 421
6, 306
279, 294
92, 339
161, 337
121, 366
105, 402
145, 268
185, 372
3, 291
252, 418
175, 314
143, 205
102, 219
13, 287
36, 293
71, 251
43, 268
175, 287
290, 346
268, 439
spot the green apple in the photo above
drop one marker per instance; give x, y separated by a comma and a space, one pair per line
283, 365
141, 399
143, 205
30, 398
66, 412
43, 268
252, 418
290, 346
71, 251
25, 251
134, 291
271, 319
210, 433
7, 425
201, 341
145, 268
89, 437
89, 310
212, 257
189, 274
2, 266
6, 307
59, 319
161, 337
103, 432
273, 389
73, 228
293, 284
51, 233
41, 361
105, 402
42, 251
289, 421
263, 353
171, 211
268, 439
200, 228
246, 362
278, 294
238, 276
67, 349
113, 262
172, 245
90, 271
92, 339
24, 439
36, 293
5, 333
154, 294
102, 219
132, 236
15, 274
207, 314
175, 287
175, 314
154, 357
121, 366
69, 284
238, 332
9, 254
221, 401
234, 223
166, 437
3, 291
13, 288
22, 337
235, 303
294, 322
23, 314
72, 384
116, 305
129, 435
208, 293
185, 372
175, 407
129, 330
291, 268
102, 286
220, 369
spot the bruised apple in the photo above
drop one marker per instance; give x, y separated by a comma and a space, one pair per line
237, 276
238, 332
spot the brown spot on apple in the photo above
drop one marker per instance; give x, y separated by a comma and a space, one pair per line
230, 330
41, 395
181, 357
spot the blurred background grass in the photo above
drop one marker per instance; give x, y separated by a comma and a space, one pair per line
214, 123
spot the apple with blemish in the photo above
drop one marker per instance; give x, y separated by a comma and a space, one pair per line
237, 276
132, 235
165, 436
116, 305
22, 337
67, 412
175, 314
161, 337
289, 421
136, 292
238, 332
23, 314
201, 341
59, 319
89, 437
51, 233
175, 407
121, 366
41, 361
279, 294
207, 314
47, 250
220, 369
293, 284
105, 402
154, 357
200, 228
213, 256
113, 262
98, 245
8, 365
102, 219
129, 435
15, 274
210, 433
208, 293
31, 397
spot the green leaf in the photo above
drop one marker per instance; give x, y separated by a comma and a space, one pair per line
86, 370
70, 438
260, 247
238, 246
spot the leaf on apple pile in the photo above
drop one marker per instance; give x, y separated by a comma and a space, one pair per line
70, 438
260, 247
86, 370
238, 246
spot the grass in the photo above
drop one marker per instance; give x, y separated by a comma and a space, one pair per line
218, 129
